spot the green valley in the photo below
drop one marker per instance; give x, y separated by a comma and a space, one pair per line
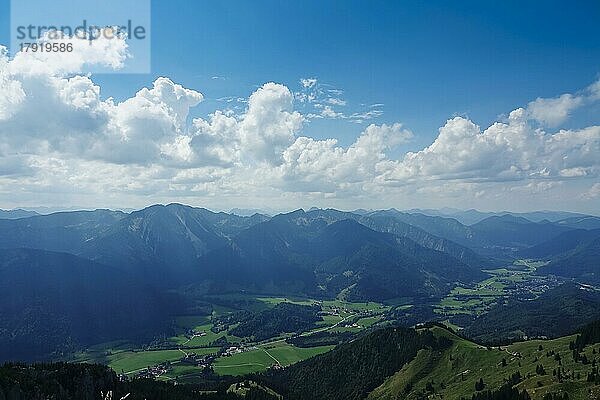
203, 345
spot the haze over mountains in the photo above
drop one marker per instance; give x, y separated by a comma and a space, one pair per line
175, 239
160, 261
16, 213
472, 216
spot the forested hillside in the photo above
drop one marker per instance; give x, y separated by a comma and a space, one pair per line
52, 303
352, 370
96, 382
555, 313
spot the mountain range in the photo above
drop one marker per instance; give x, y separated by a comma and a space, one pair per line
16, 213
160, 261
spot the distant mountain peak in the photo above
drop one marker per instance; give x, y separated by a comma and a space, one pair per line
16, 213
506, 218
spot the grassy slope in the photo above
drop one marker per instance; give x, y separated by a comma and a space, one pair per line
207, 339
262, 358
287, 354
128, 361
473, 361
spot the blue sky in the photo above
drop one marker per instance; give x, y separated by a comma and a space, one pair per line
416, 63
425, 61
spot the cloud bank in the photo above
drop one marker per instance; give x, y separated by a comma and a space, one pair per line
62, 143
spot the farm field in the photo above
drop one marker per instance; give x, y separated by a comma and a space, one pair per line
263, 357
195, 336
206, 339
517, 280
128, 361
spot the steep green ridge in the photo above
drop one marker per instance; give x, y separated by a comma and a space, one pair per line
352, 370
453, 373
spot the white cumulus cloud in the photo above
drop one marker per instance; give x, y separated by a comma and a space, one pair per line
512, 150
60, 139
553, 112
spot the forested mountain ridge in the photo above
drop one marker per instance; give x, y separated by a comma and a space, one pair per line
151, 237
63, 231
165, 241
562, 245
52, 303
494, 236
389, 222
557, 312
352, 370
296, 251
582, 263
472, 216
